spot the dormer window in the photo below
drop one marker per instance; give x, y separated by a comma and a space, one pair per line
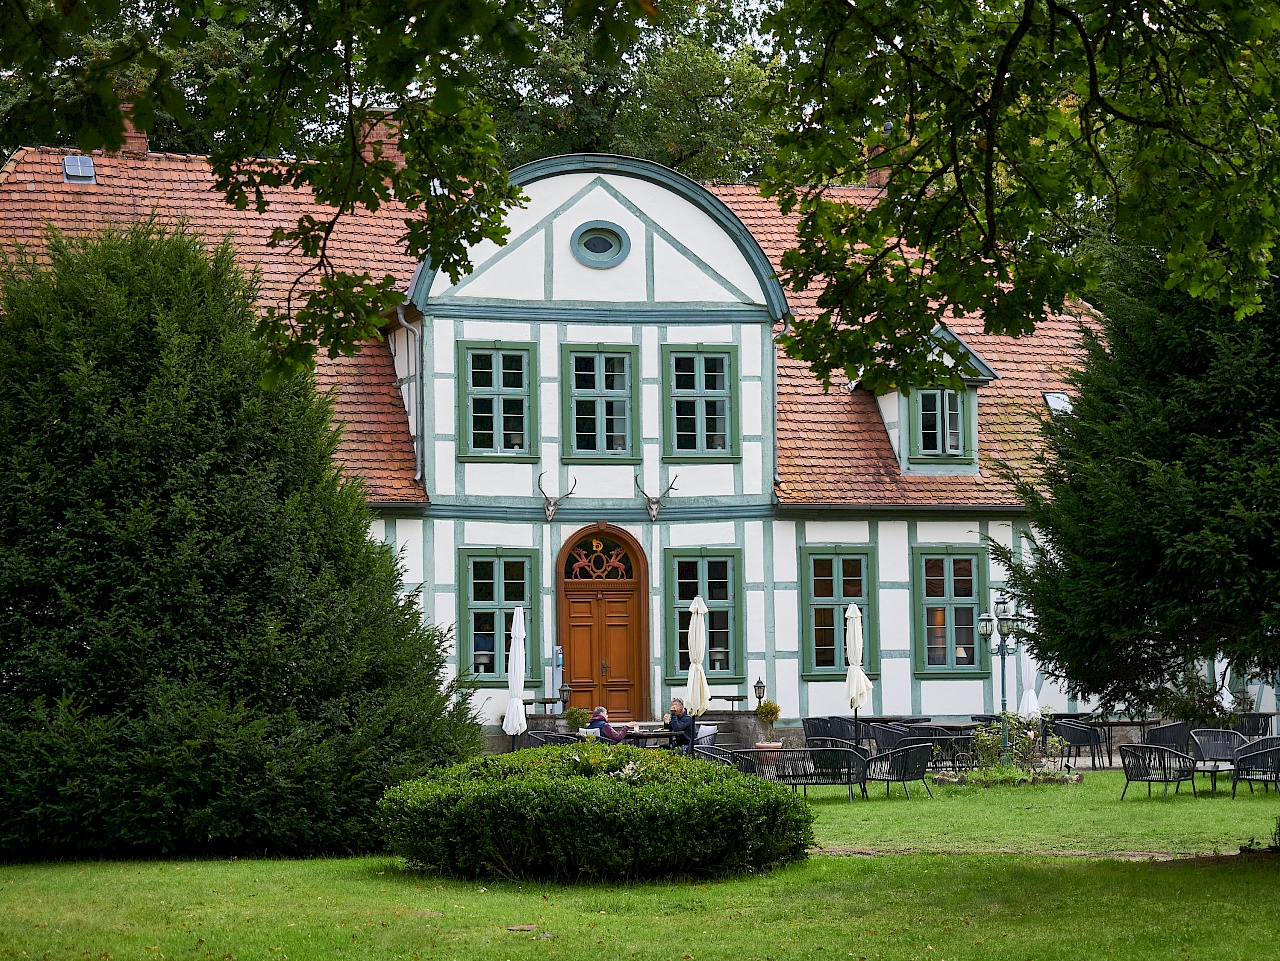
942, 423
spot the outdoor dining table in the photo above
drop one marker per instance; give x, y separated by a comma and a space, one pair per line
1108, 725
660, 734
1213, 769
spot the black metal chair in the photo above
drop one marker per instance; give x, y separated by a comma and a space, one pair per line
900, 766
1215, 744
1254, 725
817, 727
802, 767
849, 729
1176, 735
1079, 736
543, 738
838, 742
1259, 761
985, 718
704, 736
887, 736
1156, 764
716, 755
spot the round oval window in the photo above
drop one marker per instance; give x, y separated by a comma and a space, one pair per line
600, 244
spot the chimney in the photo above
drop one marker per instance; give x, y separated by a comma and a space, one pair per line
135, 140
381, 127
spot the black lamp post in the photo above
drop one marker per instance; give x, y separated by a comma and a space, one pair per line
1002, 627
759, 691
565, 693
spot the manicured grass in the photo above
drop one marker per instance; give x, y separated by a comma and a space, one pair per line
891, 907
1047, 818
932, 906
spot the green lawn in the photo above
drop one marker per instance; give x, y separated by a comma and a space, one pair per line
927, 906
894, 907
1047, 818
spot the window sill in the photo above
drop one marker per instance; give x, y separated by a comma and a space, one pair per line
600, 459
952, 673
828, 676
943, 460
716, 458
497, 458
486, 681
680, 680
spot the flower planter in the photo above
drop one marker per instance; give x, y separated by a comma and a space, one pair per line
769, 747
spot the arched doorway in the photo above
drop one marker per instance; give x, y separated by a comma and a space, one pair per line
603, 618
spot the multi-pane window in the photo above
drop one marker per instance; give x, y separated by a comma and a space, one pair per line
495, 587
950, 610
941, 423
835, 582
497, 402
712, 577
700, 397
600, 403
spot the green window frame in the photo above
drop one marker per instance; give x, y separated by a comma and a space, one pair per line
701, 403
949, 594
943, 426
497, 401
491, 583
593, 400
827, 590
716, 574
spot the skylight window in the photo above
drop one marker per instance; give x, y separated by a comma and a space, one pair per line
77, 169
1058, 402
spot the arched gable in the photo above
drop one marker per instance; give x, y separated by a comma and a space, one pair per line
660, 243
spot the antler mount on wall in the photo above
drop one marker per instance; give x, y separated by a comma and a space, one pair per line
551, 504
654, 504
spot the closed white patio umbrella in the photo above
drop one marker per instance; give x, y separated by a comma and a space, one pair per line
514, 723
697, 697
857, 686
1029, 705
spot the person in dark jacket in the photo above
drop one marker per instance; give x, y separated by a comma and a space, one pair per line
600, 722
680, 721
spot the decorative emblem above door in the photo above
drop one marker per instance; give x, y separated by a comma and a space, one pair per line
598, 559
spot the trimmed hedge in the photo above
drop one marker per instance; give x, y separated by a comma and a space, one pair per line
587, 812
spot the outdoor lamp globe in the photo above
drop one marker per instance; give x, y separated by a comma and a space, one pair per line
1005, 616
986, 625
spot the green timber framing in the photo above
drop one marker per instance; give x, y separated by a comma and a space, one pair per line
768, 539
771, 545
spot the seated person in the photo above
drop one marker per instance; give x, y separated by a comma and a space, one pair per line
680, 721
600, 722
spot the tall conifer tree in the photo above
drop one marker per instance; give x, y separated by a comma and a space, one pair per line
200, 647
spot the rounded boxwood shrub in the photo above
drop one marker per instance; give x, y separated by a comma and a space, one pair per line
593, 812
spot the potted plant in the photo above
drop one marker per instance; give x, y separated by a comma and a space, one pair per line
767, 713
576, 718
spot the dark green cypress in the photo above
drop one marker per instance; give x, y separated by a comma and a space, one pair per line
1157, 504
200, 647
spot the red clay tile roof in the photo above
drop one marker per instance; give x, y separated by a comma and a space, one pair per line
833, 447
376, 444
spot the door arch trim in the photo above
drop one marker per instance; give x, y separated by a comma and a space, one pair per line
640, 572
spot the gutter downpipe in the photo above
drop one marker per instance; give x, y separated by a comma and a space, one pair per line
418, 446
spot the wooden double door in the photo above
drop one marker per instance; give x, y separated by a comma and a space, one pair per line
603, 622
